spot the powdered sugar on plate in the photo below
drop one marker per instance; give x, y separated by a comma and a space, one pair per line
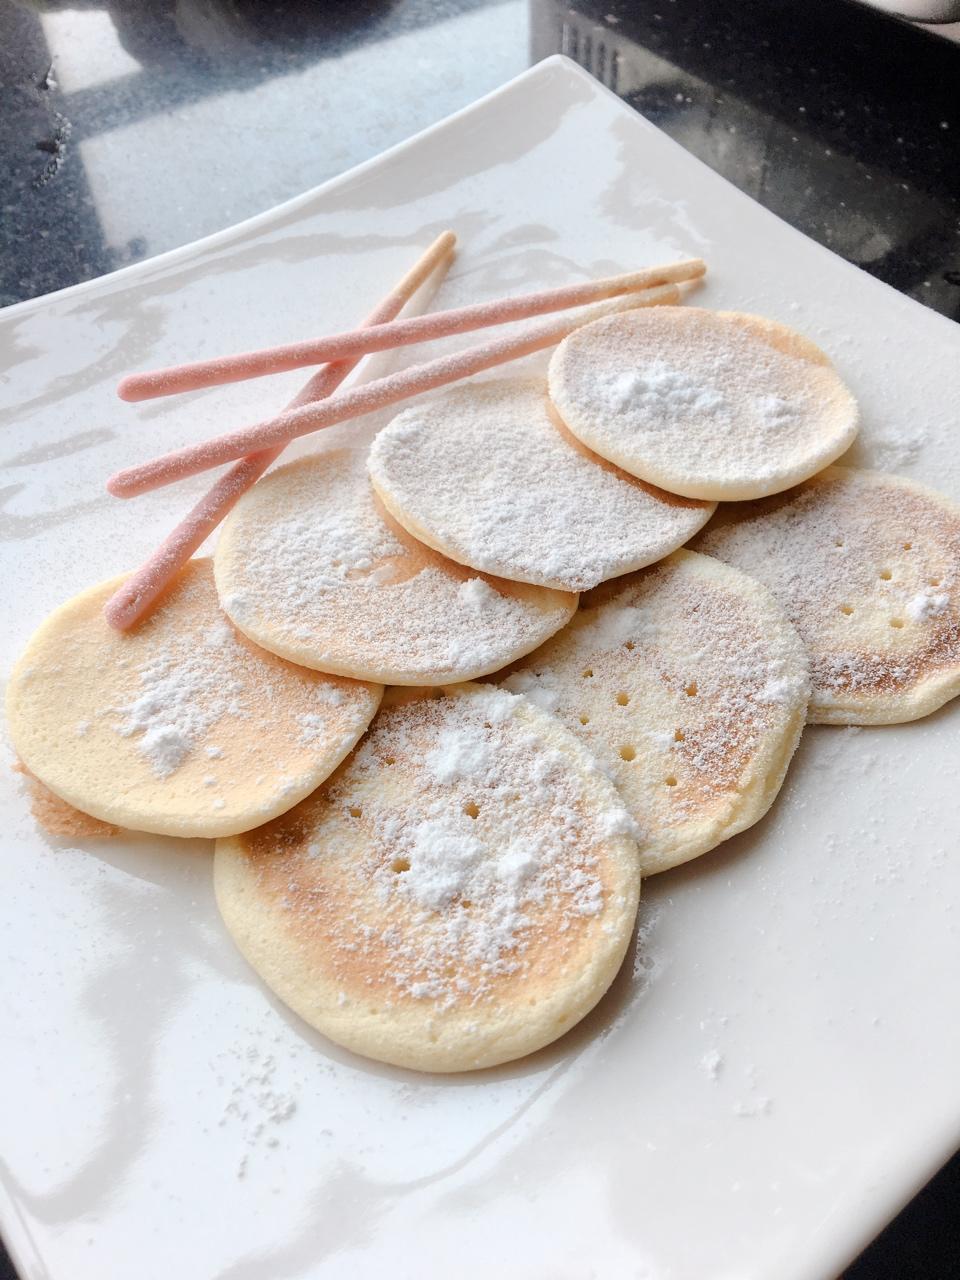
487, 474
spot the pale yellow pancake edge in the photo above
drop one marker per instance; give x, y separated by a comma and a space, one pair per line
131, 819
928, 695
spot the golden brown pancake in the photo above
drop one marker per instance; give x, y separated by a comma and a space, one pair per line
459, 893
866, 566
690, 687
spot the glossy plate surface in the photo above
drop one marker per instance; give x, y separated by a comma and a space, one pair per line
774, 1073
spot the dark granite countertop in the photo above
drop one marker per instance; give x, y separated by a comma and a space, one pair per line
128, 127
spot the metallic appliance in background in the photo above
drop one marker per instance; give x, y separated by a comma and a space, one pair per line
831, 130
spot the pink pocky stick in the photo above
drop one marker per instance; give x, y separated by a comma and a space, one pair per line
134, 599
357, 401
382, 337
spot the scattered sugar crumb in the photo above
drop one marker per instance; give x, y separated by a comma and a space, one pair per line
712, 1063
759, 1106
255, 1105
927, 605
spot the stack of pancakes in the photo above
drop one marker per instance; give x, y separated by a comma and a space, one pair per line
446, 875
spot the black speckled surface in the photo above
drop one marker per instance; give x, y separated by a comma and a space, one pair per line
128, 127
844, 122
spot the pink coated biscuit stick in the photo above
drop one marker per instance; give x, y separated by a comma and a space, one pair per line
438, 324
357, 401
131, 601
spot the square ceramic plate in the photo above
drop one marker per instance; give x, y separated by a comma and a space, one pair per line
774, 1073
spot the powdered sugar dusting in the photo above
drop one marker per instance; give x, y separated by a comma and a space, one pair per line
712, 1064
660, 391
501, 486
186, 688
459, 754
199, 675
928, 605
865, 564
309, 565
702, 401
685, 681
457, 846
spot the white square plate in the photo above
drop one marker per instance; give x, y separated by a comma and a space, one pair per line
775, 1072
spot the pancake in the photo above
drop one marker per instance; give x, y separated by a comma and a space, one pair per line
866, 565
487, 475
689, 686
708, 404
460, 893
311, 567
181, 726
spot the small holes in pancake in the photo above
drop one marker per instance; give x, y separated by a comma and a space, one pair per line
691, 689
471, 809
847, 609
679, 736
896, 622
399, 865
671, 781
622, 699
584, 719
908, 546
588, 673
886, 575
630, 645
628, 753
356, 811
466, 904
